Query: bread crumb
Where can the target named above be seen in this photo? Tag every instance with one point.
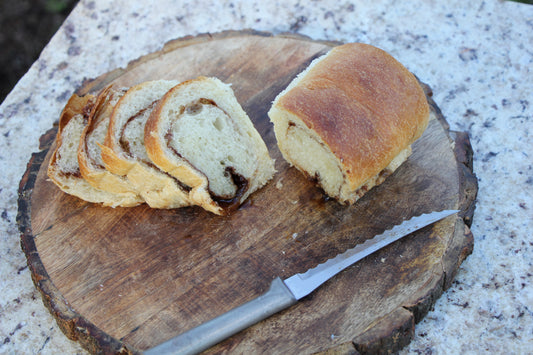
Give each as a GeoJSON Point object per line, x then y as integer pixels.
{"type": "Point", "coordinates": [279, 184]}
{"type": "Point", "coordinates": [383, 260]}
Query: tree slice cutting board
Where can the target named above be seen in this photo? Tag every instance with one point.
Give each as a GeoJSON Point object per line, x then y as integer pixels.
{"type": "Point", "coordinates": [125, 279]}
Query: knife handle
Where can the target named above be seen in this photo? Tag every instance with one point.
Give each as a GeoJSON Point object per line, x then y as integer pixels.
{"type": "Point", "coordinates": [277, 298]}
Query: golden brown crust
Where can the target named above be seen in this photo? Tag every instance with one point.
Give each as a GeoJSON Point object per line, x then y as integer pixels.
{"type": "Point", "coordinates": [365, 105]}
{"type": "Point", "coordinates": [114, 163]}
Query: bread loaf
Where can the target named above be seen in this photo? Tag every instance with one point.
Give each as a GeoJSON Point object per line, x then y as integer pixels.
{"type": "Point", "coordinates": [90, 161]}
{"type": "Point", "coordinates": [124, 153]}
{"type": "Point", "coordinates": [349, 119]}
{"type": "Point", "coordinates": [199, 134]}
{"type": "Point", "coordinates": [202, 147]}
{"type": "Point", "coordinates": [64, 169]}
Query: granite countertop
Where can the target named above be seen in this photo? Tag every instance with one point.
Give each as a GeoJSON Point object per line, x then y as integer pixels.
{"type": "Point", "coordinates": [476, 56]}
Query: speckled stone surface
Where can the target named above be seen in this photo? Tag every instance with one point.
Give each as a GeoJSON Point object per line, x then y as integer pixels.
{"type": "Point", "coordinates": [477, 56]}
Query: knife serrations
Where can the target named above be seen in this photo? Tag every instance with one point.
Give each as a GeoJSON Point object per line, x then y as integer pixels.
{"type": "Point", "coordinates": [303, 284]}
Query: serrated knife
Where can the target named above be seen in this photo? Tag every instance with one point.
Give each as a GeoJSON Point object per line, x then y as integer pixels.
{"type": "Point", "coordinates": [285, 293]}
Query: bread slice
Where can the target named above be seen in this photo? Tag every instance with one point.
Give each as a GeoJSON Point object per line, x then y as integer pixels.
{"type": "Point", "coordinates": [200, 134]}
{"type": "Point", "coordinates": [90, 161]}
{"type": "Point", "coordinates": [63, 168]}
{"type": "Point", "coordinates": [349, 119]}
{"type": "Point", "coordinates": [123, 152]}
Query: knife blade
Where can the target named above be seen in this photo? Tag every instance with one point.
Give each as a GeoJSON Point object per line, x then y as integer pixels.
{"type": "Point", "coordinates": [285, 293]}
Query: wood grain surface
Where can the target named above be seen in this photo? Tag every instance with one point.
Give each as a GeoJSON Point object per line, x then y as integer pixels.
{"type": "Point", "coordinates": [125, 279]}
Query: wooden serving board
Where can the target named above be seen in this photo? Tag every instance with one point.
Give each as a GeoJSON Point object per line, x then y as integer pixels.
{"type": "Point", "coordinates": [123, 280]}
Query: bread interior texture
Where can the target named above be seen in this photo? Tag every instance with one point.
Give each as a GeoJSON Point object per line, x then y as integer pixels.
{"type": "Point", "coordinates": [305, 147]}
{"type": "Point", "coordinates": [93, 140]}
{"type": "Point", "coordinates": [96, 137]}
{"type": "Point", "coordinates": [132, 138]}
{"type": "Point", "coordinates": [206, 136]}
{"type": "Point", "coordinates": [67, 156]}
